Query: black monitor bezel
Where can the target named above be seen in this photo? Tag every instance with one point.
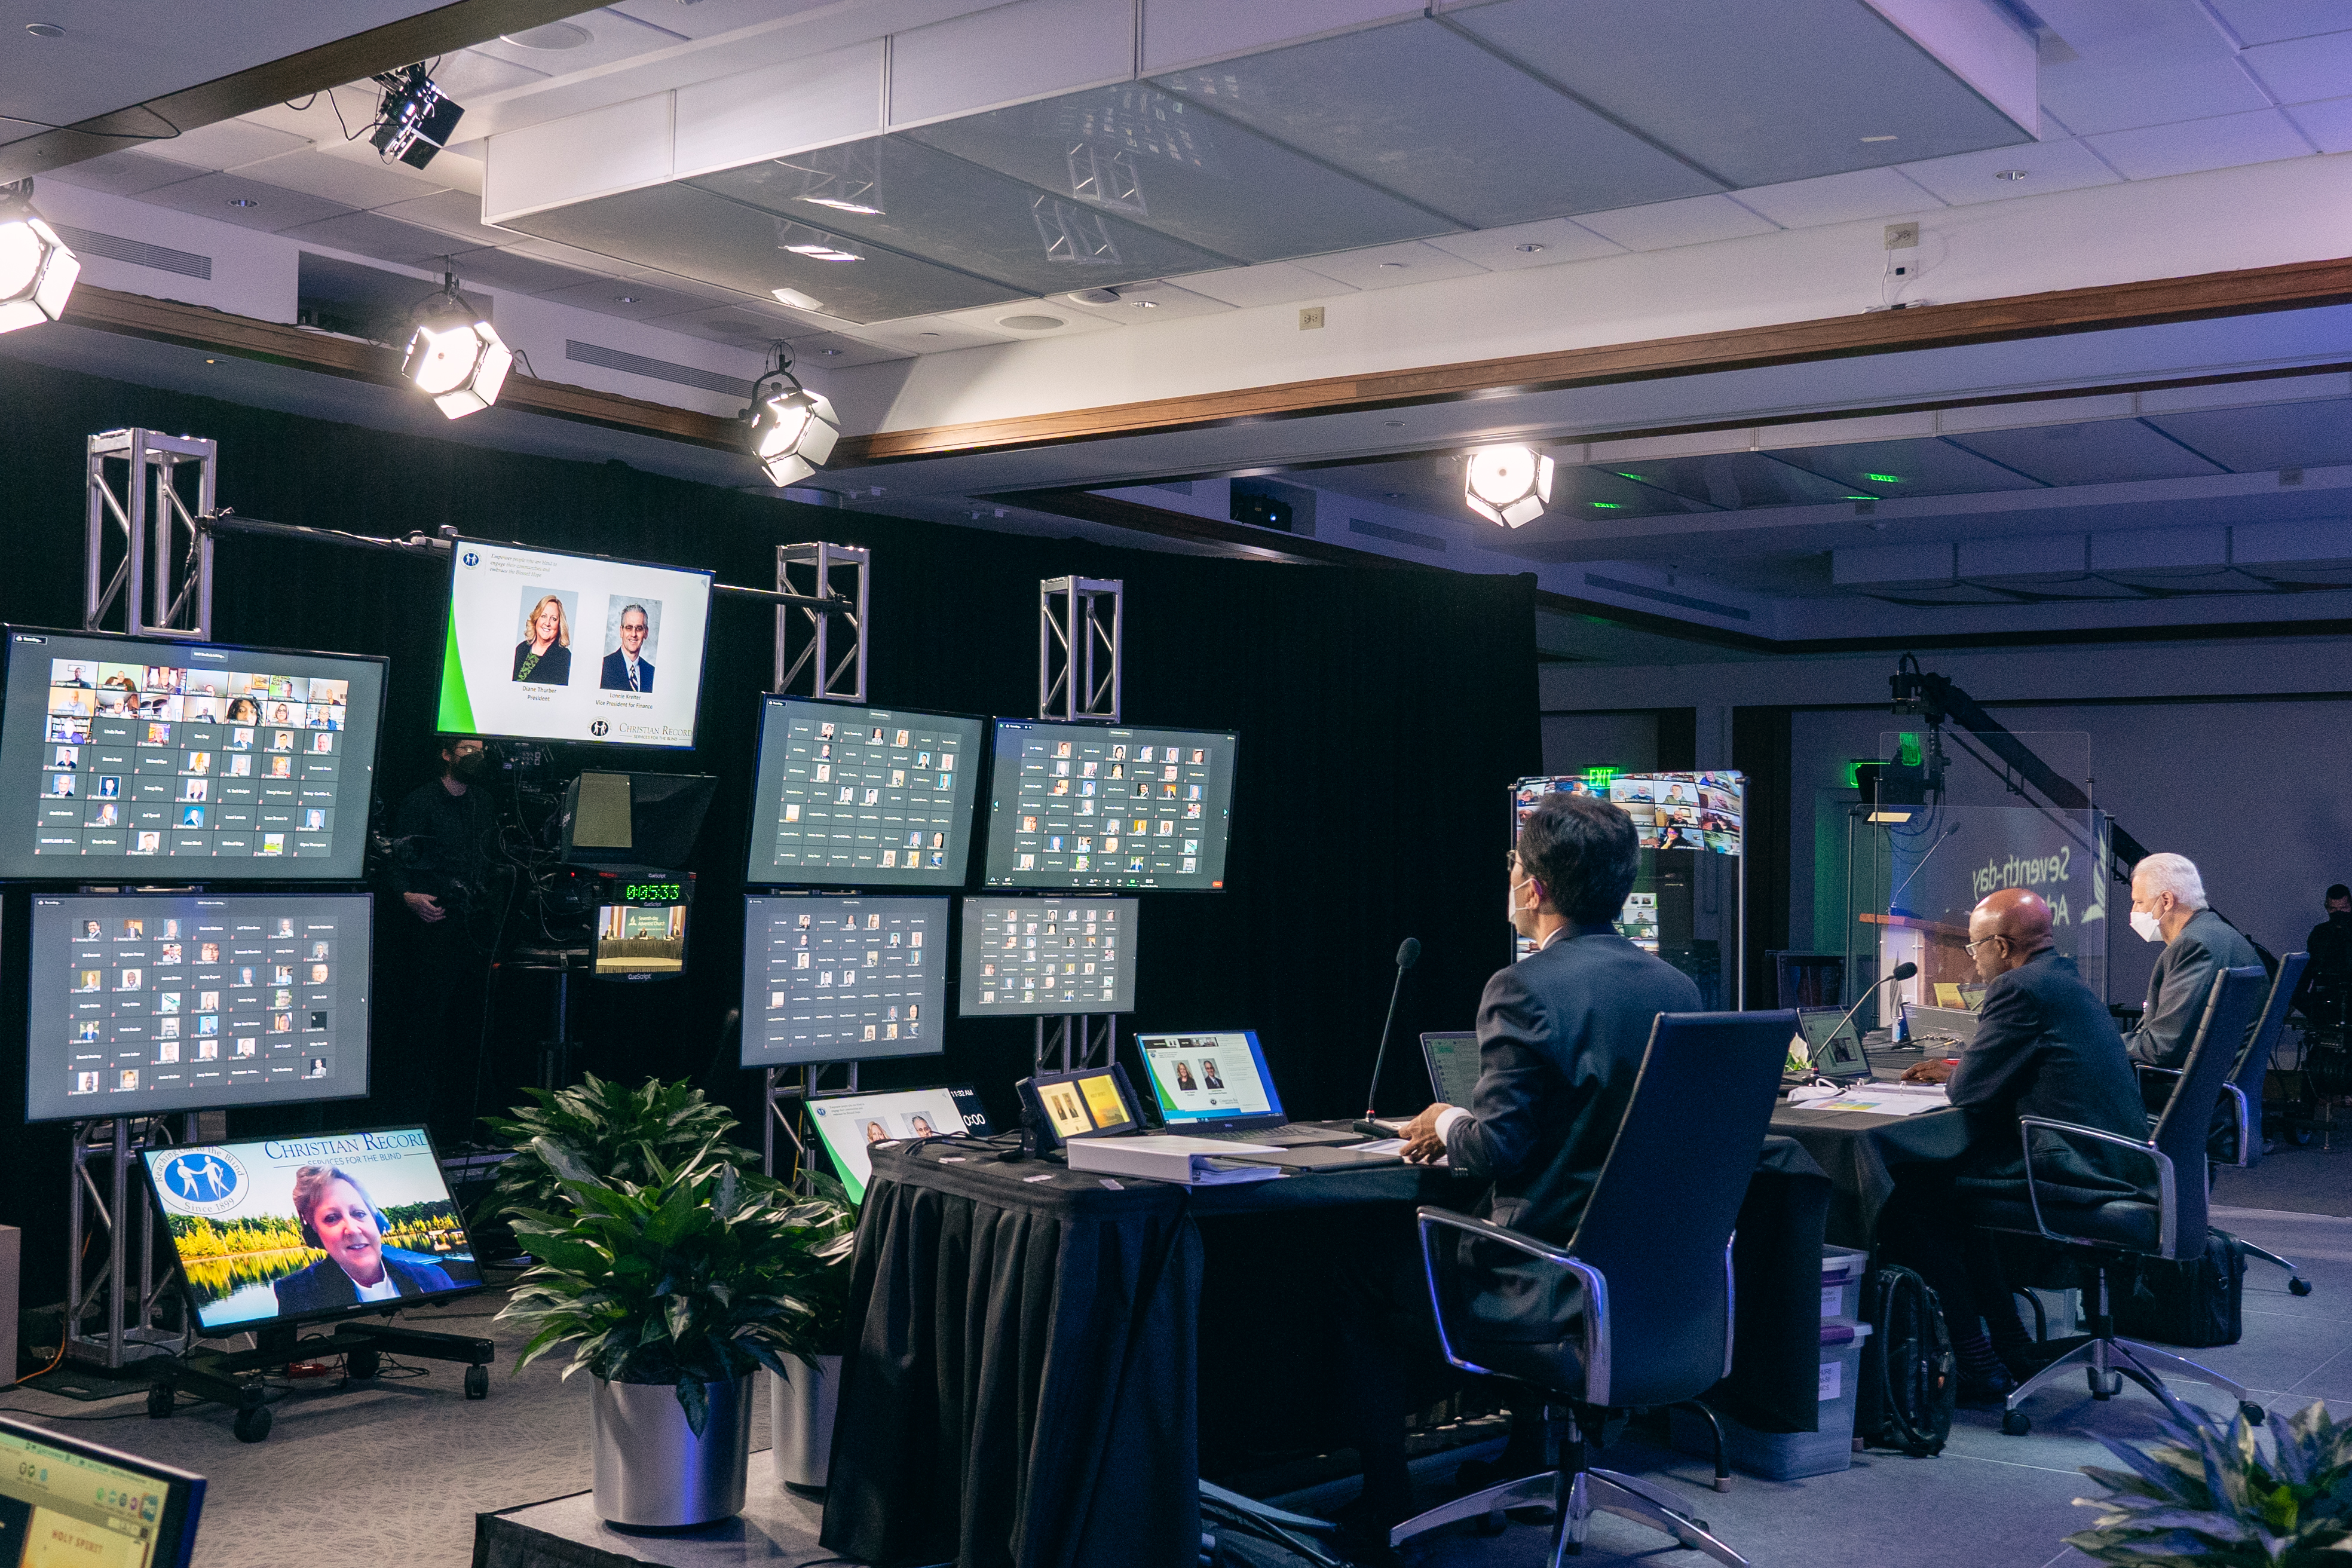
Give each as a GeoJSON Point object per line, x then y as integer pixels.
{"type": "Point", "coordinates": [1023, 895]}
{"type": "Point", "coordinates": [362, 896]}
{"type": "Point", "coordinates": [183, 1491]}
{"type": "Point", "coordinates": [335, 1315]}
{"type": "Point", "coordinates": [9, 631]}
{"type": "Point", "coordinates": [995, 755]}
{"type": "Point", "coordinates": [756, 876]}
{"type": "Point", "coordinates": [702, 667]}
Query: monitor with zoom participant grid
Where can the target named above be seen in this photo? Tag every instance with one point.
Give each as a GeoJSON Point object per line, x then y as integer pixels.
{"type": "Point", "coordinates": [1108, 807]}
{"type": "Point", "coordinates": [867, 798]}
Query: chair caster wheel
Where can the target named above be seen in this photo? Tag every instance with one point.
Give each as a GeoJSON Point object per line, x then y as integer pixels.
{"type": "Point", "coordinates": [2298, 1287]}
{"type": "Point", "coordinates": [2016, 1423]}
{"type": "Point", "coordinates": [2254, 1414]}
{"type": "Point", "coordinates": [1723, 1483]}
{"type": "Point", "coordinates": [477, 1383]}
{"type": "Point", "coordinates": [251, 1426]}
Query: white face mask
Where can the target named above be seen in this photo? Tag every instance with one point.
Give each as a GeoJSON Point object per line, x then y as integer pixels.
{"type": "Point", "coordinates": [2145, 923]}
{"type": "Point", "coordinates": [1522, 918]}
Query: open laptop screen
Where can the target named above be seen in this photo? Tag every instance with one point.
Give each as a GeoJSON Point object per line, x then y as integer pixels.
{"type": "Point", "coordinates": [1210, 1079]}
{"type": "Point", "coordinates": [1832, 1043]}
{"type": "Point", "coordinates": [1452, 1058]}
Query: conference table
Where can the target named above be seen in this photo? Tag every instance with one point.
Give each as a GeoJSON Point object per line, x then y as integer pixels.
{"type": "Point", "coordinates": [1863, 1155]}
{"type": "Point", "coordinates": [1030, 1353]}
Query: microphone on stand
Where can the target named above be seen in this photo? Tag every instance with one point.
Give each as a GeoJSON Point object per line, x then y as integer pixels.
{"type": "Point", "coordinates": [1900, 972]}
{"type": "Point", "coordinates": [1408, 954]}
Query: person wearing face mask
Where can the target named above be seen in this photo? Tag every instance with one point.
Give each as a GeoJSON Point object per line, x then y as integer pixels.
{"type": "Point", "coordinates": [438, 834]}
{"type": "Point", "coordinates": [2169, 906]}
{"type": "Point", "coordinates": [442, 834]}
{"type": "Point", "coordinates": [1561, 1036]}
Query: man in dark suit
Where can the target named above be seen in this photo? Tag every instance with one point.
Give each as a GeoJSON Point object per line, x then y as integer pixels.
{"type": "Point", "coordinates": [2169, 906]}
{"type": "Point", "coordinates": [1560, 1040]}
{"type": "Point", "coordinates": [2044, 1045]}
{"type": "Point", "coordinates": [624, 671]}
{"type": "Point", "coordinates": [2327, 983]}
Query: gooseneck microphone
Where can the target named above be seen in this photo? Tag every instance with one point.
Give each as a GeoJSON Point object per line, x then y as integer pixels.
{"type": "Point", "coordinates": [1901, 971]}
{"type": "Point", "coordinates": [1408, 954]}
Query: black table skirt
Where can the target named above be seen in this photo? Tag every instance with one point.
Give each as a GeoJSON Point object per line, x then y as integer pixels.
{"type": "Point", "coordinates": [1020, 1390]}
{"type": "Point", "coordinates": [1863, 1155]}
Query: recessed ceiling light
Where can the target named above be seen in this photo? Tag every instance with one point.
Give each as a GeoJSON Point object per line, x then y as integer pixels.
{"type": "Point", "coordinates": [1030, 324]}
{"type": "Point", "coordinates": [243, 202]}
{"type": "Point", "coordinates": [796, 300]}
{"type": "Point", "coordinates": [926, 334]}
{"type": "Point", "coordinates": [625, 299]}
{"type": "Point", "coordinates": [44, 29]}
{"type": "Point", "coordinates": [828, 353]}
{"type": "Point", "coordinates": [823, 253]}
{"type": "Point", "coordinates": [2008, 173]}
{"type": "Point", "coordinates": [1393, 495]}
{"type": "Point", "coordinates": [211, 361]}
{"type": "Point", "coordinates": [1529, 249]}
{"type": "Point", "coordinates": [554, 36]}
{"type": "Point", "coordinates": [1878, 138]}
{"type": "Point", "coordinates": [1145, 304]}
{"type": "Point", "coordinates": [1397, 266]}
{"type": "Point", "coordinates": [837, 204]}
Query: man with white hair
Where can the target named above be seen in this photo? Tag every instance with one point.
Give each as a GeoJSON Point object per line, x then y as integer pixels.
{"type": "Point", "coordinates": [2169, 906]}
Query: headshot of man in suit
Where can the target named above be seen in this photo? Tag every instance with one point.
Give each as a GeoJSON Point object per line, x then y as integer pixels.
{"type": "Point", "coordinates": [624, 671]}
{"type": "Point", "coordinates": [339, 1217]}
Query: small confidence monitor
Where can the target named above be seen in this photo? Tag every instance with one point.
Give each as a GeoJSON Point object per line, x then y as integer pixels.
{"type": "Point", "coordinates": [1075, 805]}
{"type": "Point", "coordinates": [1091, 1102]}
{"type": "Point", "coordinates": [157, 760]}
{"type": "Point", "coordinates": [847, 1124]}
{"type": "Point", "coordinates": [641, 926]}
{"type": "Point", "coordinates": [301, 1229]}
{"type": "Point", "coordinates": [842, 979]}
{"type": "Point", "coordinates": [1035, 956]}
{"type": "Point", "coordinates": [544, 646]}
{"type": "Point", "coordinates": [868, 797]}
{"type": "Point", "coordinates": [67, 1499]}
{"type": "Point", "coordinates": [149, 1004]}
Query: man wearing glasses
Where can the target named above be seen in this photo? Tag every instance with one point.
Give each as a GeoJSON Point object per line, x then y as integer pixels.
{"type": "Point", "coordinates": [2044, 1045]}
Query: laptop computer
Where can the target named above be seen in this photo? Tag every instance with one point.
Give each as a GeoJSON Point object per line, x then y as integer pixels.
{"type": "Point", "coordinates": [1452, 1058]}
{"type": "Point", "coordinates": [1833, 1044]}
{"type": "Point", "coordinates": [1214, 1084]}
{"type": "Point", "coordinates": [1943, 1025]}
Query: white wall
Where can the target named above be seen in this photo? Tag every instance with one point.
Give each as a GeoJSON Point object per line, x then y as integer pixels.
{"type": "Point", "coordinates": [1575, 741]}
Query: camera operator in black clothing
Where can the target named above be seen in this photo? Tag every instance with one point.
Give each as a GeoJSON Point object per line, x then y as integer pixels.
{"type": "Point", "coordinates": [440, 834]}
{"type": "Point", "coordinates": [2327, 983]}
{"type": "Point", "coordinates": [443, 833]}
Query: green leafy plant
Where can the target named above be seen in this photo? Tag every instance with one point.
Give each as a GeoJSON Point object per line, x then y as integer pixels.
{"type": "Point", "coordinates": [613, 1132]}
{"type": "Point", "coordinates": [2214, 1497]}
{"type": "Point", "coordinates": [695, 1276]}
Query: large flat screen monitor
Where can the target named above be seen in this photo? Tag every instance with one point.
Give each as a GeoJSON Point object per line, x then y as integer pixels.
{"type": "Point", "coordinates": [847, 1124]}
{"type": "Point", "coordinates": [831, 979]}
{"type": "Point", "coordinates": [863, 797]}
{"type": "Point", "coordinates": [145, 1003]}
{"type": "Point", "coordinates": [1076, 805]}
{"type": "Point", "coordinates": [544, 646]}
{"type": "Point", "coordinates": [1024, 957]}
{"type": "Point", "coordinates": [66, 1500]}
{"type": "Point", "coordinates": [302, 1228]}
{"type": "Point", "coordinates": [117, 753]}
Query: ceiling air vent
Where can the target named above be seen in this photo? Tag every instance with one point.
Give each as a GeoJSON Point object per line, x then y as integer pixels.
{"type": "Point", "coordinates": [137, 252]}
{"type": "Point", "coordinates": [655, 369]}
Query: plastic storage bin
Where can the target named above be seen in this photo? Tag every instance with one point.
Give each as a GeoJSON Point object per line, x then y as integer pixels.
{"type": "Point", "coordinates": [1789, 1456]}
{"type": "Point", "coordinates": [1842, 1269]}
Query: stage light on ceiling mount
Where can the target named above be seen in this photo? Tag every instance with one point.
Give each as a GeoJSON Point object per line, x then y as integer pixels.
{"type": "Point", "coordinates": [37, 270]}
{"type": "Point", "coordinates": [793, 429]}
{"type": "Point", "coordinates": [1507, 485]}
{"type": "Point", "coordinates": [454, 356]}
{"type": "Point", "coordinates": [415, 119]}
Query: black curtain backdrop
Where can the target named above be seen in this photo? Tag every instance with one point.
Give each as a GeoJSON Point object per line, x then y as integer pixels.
{"type": "Point", "coordinates": [1382, 715]}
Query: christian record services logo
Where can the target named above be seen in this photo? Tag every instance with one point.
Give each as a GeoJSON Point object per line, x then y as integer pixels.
{"type": "Point", "coordinates": [473, 558]}
{"type": "Point", "coordinates": [599, 728]}
{"type": "Point", "coordinates": [202, 1182]}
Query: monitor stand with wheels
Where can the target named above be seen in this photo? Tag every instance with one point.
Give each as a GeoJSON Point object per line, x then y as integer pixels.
{"type": "Point", "coordinates": [236, 1378]}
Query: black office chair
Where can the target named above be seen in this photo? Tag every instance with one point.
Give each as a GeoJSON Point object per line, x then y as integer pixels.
{"type": "Point", "coordinates": [2116, 1233]}
{"type": "Point", "coordinates": [2244, 1091]}
{"type": "Point", "coordinates": [1641, 1295]}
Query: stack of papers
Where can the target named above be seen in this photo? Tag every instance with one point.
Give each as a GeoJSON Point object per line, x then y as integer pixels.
{"type": "Point", "coordinates": [1886, 1099]}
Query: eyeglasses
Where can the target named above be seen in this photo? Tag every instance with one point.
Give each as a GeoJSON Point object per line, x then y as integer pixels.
{"type": "Point", "coordinates": [1970, 947]}
{"type": "Point", "coordinates": [1511, 863]}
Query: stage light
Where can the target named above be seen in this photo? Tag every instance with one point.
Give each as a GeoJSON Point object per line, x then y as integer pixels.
{"type": "Point", "coordinates": [1507, 485]}
{"type": "Point", "coordinates": [454, 356]}
{"type": "Point", "coordinates": [793, 429]}
{"type": "Point", "coordinates": [415, 119]}
{"type": "Point", "coordinates": [37, 270]}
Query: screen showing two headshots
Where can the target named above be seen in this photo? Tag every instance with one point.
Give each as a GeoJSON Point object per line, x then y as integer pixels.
{"type": "Point", "coordinates": [118, 753]}
{"type": "Point", "coordinates": [295, 1229]}
{"type": "Point", "coordinates": [144, 1005]}
{"type": "Point", "coordinates": [1037, 957]}
{"type": "Point", "coordinates": [1078, 805]}
{"type": "Point", "coordinates": [864, 796]}
{"type": "Point", "coordinates": [546, 646]}
{"type": "Point", "coordinates": [829, 979]}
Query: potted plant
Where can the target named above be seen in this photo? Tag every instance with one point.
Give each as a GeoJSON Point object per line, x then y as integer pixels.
{"type": "Point", "coordinates": [611, 1132]}
{"type": "Point", "coordinates": [671, 1292]}
{"type": "Point", "coordinates": [2213, 1498]}
{"type": "Point", "coordinates": [801, 1405]}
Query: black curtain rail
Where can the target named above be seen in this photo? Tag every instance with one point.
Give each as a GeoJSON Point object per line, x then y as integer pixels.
{"type": "Point", "coordinates": [414, 543]}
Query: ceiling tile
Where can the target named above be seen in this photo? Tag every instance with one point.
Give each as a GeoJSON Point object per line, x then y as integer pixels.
{"type": "Point", "coordinates": [1392, 266]}
{"type": "Point", "coordinates": [2049, 166]}
{"type": "Point", "coordinates": [1276, 283]}
{"type": "Point", "coordinates": [475, 74]}
{"type": "Point", "coordinates": [1147, 304]}
{"type": "Point", "coordinates": [1519, 245]}
{"type": "Point", "coordinates": [1758, 94]}
{"type": "Point", "coordinates": [123, 173]}
{"type": "Point", "coordinates": [366, 234]}
{"type": "Point", "coordinates": [351, 182]}
{"type": "Point", "coordinates": [490, 268]}
{"type": "Point", "coordinates": [1889, 468]}
{"type": "Point", "coordinates": [2112, 451]}
{"type": "Point", "coordinates": [744, 327]}
{"type": "Point", "coordinates": [1170, 165]}
{"type": "Point", "coordinates": [562, 254]}
{"type": "Point", "coordinates": [1840, 198]}
{"type": "Point", "coordinates": [1389, 105]}
{"type": "Point", "coordinates": [2226, 142]}
{"type": "Point", "coordinates": [691, 287]}
{"type": "Point", "coordinates": [2268, 21]}
{"type": "Point", "coordinates": [272, 208]}
{"type": "Point", "coordinates": [2303, 69]}
{"type": "Point", "coordinates": [2327, 123]}
{"type": "Point", "coordinates": [1730, 480]}
{"type": "Point", "coordinates": [1665, 224]}
{"type": "Point", "coordinates": [946, 210]}
{"type": "Point", "coordinates": [626, 297]}
{"type": "Point", "coordinates": [709, 19]}
{"type": "Point", "coordinates": [228, 143]}
{"type": "Point", "coordinates": [838, 350]}
{"type": "Point", "coordinates": [454, 213]}
{"type": "Point", "coordinates": [587, 42]}
{"type": "Point", "coordinates": [2260, 439]}
{"type": "Point", "coordinates": [2139, 64]}
{"type": "Point", "coordinates": [999, 319]}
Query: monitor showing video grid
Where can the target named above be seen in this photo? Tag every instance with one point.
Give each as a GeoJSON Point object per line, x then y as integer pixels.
{"type": "Point", "coordinates": [838, 979]}
{"type": "Point", "coordinates": [1025, 956]}
{"type": "Point", "coordinates": [144, 1003]}
{"type": "Point", "coordinates": [1076, 805]}
{"type": "Point", "coordinates": [123, 751]}
{"type": "Point", "coordinates": [863, 796]}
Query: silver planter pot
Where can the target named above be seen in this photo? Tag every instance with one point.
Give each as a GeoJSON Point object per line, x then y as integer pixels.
{"type": "Point", "coordinates": [799, 1418]}
{"type": "Point", "coordinates": [653, 1472]}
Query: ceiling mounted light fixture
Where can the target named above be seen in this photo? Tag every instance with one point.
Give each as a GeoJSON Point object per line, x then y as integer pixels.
{"type": "Point", "coordinates": [454, 356]}
{"type": "Point", "coordinates": [1507, 485]}
{"type": "Point", "coordinates": [793, 429]}
{"type": "Point", "coordinates": [37, 270]}
{"type": "Point", "coordinates": [415, 119]}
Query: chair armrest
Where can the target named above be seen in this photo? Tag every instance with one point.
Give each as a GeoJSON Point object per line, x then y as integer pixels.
{"type": "Point", "coordinates": [2247, 1131]}
{"type": "Point", "coordinates": [1596, 1288]}
{"type": "Point", "coordinates": [2069, 1132]}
